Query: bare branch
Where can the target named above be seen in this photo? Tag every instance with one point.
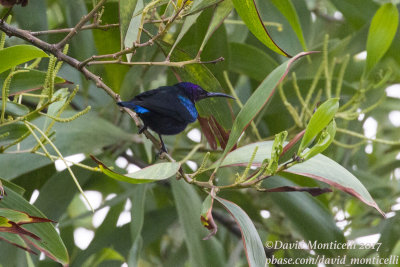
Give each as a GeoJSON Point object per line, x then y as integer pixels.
{"type": "Point", "coordinates": [179, 64]}
{"type": "Point", "coordinates": [93, 26]}
{"type": "Point", "coordinates": [80, 24]}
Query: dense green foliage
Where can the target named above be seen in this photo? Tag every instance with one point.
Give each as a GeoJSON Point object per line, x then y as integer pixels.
{"type": "Point", "coordinates": [236, 181]}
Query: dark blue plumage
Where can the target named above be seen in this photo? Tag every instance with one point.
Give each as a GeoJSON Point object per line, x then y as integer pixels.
{"type": "Point", "coordinates": [167, 110]}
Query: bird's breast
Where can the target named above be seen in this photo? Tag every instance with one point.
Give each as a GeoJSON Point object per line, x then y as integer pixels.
{"type": "Point", "coordinates": [189, 106]}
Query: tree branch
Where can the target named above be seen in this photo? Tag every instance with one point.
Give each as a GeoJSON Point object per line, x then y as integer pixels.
{"type": "Point", "coordinates": [93, 26]}
{"type": "Point", "coordinates": [179, 64]}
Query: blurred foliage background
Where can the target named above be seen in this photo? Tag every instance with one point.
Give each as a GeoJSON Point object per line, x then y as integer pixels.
{"type": "Point", "coordinates": [158, 224]}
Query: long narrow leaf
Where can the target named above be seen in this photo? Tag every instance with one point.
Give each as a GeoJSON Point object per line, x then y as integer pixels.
{"type": "Point", "coordinates": [188, 204]}
{"type": "Point", "coordinates": [18, 54]}
{"type": "Point", "coordinates": [51, 243]}
{"type": "Point", "coordinates": [287, 9]}
{"type": "Point", "coordinates": [251, 240]}
{"type": "Point", "coordinates": [381, 33]}
{"type": "Point", "coordinates": [221, 12]}
{"type": "Point", "coordinates": [149, 174]}
{"type": "Point", "coordinates": [247, 10]}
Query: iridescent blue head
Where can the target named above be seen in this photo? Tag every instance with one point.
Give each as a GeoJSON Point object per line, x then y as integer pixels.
{"type": "Point", "coordinates": [195, 93]}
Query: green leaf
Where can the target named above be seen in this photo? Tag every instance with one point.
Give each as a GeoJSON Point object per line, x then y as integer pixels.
{"type": "Point", "coordinates": [158, 4]}
{"type": "Point", "coordinates": [15, 109]}
{"type": "Point", "coordinates": [18, 54]}
{"type": "Point", "coordinates": [320, 168]}
{"type": "Point", "coordinates": [200, 5]}
{"type": "Point", "coordinates": [188, 204]}
{"type": "Point", "coordinates": [16, 188]}
{"type": "Point", "coordinates": [287, 9]}
{"type": "Point", "coordinates": [324, 140]}
{"type": "Point", "coordinates": [258, 63]}
{"type": "Point", "coordinates": [221, 12]}
{"type": "Point", "coordinates": [11, 132]}
{"type": "Point", "coordinates": [251, 240]}
{"type": "Point", "coordinates": [187, 24]}
{"type": "Point", "coordinates": [206, 206]}
{"type": "Point", "coordinates": [241, 155]}
{"type": "Point", "coordinates": [326, 170]}
{"type": "Point", "coordinates": [155, 172]}
{"type": "Point", "coordinates": [126, 11]}
{"type": "Point", "coordinates": [51, 243]}
{"type": "Point", "coordinates": [258, 100]}
{"type": "Point", "coordinates": [137, 212]}
{"type": "Point", "coordinates": [356, 12]}
{"type": "Point", "coordinates": [316, 222]}
{"type": "Point", "coordinates": [20, 217]}
{"type": "Point", "coordinates": [389, 237]}
{"type": "Point", "coordinates": [381, 33]}
{"type": "Point", "coordinates": [319, 120]}
{"type": "Point", "coordinates": [247, 10]}
{"type": "Point", "coordinates": [106, 254]}
{"type": "Point", "coordinates": [30, 81]}
{"type": "Point", "coordinates": [130, 35]}
{"type": "Point", "coordinates": [82, 135]}
{"type": "Point", "coordinates": [108, 42]}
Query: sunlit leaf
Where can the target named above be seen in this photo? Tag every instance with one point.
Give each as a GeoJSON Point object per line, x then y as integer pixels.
{"type": "Point", "coordinates": [319, 167]}
{"type": "Point", "coordinates": [29, 82]}
{"type": "Point", "coordinates": [319, 120]}
{"type": "Point", "coordinates": [325, 138]}
{"type": "Point", "coordinates": [155, 172]}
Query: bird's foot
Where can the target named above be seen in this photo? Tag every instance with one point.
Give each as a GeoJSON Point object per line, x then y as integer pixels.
{"type": "Point", "coordinates": [142, 129]}
{"type": "Point", "coordinates": [163, 149]}
{"type": "Point", "coordinates": [160, 154]}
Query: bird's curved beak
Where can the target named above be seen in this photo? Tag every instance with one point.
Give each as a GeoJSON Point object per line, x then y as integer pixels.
{"type": "Point", "coordinates": [211, 94]}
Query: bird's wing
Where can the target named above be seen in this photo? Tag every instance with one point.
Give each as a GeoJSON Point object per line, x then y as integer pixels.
{"type": "Point", "coordinates": [165, 103]}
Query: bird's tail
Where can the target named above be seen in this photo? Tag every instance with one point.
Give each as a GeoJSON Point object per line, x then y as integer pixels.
{"type": "Point", "coordinates": [126, 104]}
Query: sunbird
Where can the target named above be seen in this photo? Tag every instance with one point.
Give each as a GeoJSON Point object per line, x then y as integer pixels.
{"type": "Point", "coordinates": [167, 110]}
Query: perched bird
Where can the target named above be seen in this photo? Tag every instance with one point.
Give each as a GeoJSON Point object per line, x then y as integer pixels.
{"type": "Point", "coordinates": [167, 110]}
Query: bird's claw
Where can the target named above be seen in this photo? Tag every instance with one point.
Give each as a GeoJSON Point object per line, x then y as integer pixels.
{"type": "Point", "coordinates": [142, 129]}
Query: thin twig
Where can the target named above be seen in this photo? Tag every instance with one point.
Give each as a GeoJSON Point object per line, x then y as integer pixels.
{"type": "Point", "coordinates": [92, 26]}
{"type": "Point", "coordinates": [179, 64]}
{"type": "Point", "coordinates": [136, 45]}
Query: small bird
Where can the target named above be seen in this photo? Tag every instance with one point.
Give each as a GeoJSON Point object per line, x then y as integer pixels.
{"type": "Point", "coordinates": [167, 110]}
